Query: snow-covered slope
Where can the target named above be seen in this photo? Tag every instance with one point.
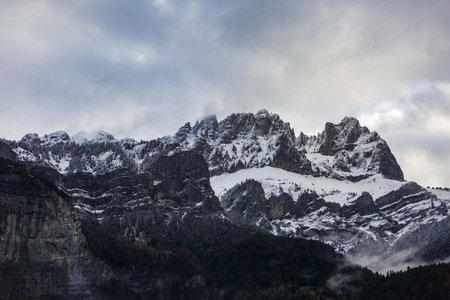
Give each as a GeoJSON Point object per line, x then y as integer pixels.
{"type": "Point", "coordinates": [276, 181]}
{"type": "Point", "coordinates": [337, 215]}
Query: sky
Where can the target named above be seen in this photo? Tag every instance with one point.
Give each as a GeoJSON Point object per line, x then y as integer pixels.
{"type": "Point", "coordinates": [144, 68]}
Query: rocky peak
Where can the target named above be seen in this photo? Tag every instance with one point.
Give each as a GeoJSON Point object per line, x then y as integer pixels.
{"type": "Point", "coordinates": [341, 136]}
{"type": "Point", "coordinates": [55, 138]}
{"type": "Point", "coordinates": [244, 140]}
{"type": "Point", "coordinates": [262, 123]}
{"type": "Point", "coordinates": [356, 152]}
{"type": "Point", "coordinates": [183, 132]}
{"type": "Point", "coordinates": [345, 150]}
{"type": "Point", "coordinates": [31, 139]}
{"type": "Point", "coordinates": [234, 126]}
{"type": "Point", "coordinates": [206, 128]}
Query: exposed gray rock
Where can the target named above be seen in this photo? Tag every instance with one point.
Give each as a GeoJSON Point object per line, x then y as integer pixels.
{"type": "Point", "coordinates": [363, 205]}
{"type": "Point", "coordinates": [342, 136]}
{"type": "Point", "coordinates": [31, 139]}
{"type": "Point", "coordinates": [182, 177]}
{"type": "Point", "coordinates": [411, 188]}
{"type": "Point", "coordinates": [309, 202]}
{"type": "Point", "coordinates": [352, 149]}
{"type": "Point", "coordinates": [43, 249]}
{"type": "Point", "coordinates": [7, 153]}
{"type": "Point", "coordinates": [281, 205]}
{"type": "Point", "coordinates": [247, 204]}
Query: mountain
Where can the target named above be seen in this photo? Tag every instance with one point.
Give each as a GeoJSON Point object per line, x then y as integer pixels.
{"type": "Point", "coordinates": [356, 152]}
{"type": "Point", "coordinates": [163, 214]}
{"type": "Point", "coordinates": [151, 235]}
{"type": "Point", "coordinates": [93, 137]}
{"type": "Point", "coordinates": [243, 141]}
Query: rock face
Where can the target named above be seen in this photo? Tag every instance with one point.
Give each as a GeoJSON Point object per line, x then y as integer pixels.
{"type": "Point", "coordinates": [281, 205]}
{"type": "Point", "coordinates": [31, 139]}
{"type": "Point", "coordinates": [57, 137]}
{"type": "Point", "coordinates": [411, 188]}
{"type": "Point", "coordinates": [182, 177]}
{"type": "Point", "coordinates": [246, 204]}
{"type": "Point", "coordinates": [92, 237]}
{"type": "Point", "coordinates": [43, 251]}
{"type": "Point", "coordinates": [348, 150]}
{"type": "Point", "coordinates": [7, 153]}
{"type": "Point", "coordinates": [363, 206]}
{"type": "Point", "coordinates": [244, 141]}
{"type": "Point", "coordinates": [342, 136]}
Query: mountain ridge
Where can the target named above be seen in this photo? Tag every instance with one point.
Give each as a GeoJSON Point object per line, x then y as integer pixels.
{"type": "Point", "coordinates": [342, 187]}
{"type": "Point", "coordinates": [246, 140]}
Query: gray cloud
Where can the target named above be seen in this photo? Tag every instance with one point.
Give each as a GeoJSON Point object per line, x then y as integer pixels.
{"type": "Point", "coordinates": [144, 69]}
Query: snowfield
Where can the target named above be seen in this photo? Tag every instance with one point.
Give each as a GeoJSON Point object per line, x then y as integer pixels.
{"type": "Point", "coordinates": [275, 181]}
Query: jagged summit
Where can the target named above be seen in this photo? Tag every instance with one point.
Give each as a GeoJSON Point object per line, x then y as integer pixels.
{"type": "Point", "coordinates": [47, 140]}
{"type": "Point", "coordinates": [244, 140]}
{"type": "Point", "coordinates": [55, 137]}
{"type": "Point", "coordinates": [232, 127]}
{"type": "Point", "coordinates": [349, 150]}
{"type": "Point", "coordinates": [345, 150]}
{"type": "Point", "coordinates": [342, 136]}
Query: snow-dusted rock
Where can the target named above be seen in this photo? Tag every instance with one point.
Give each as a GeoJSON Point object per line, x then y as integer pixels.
{"type": "Point", "coordinates": [342, 186]}
{"type": "Point", "coordinates": [243, 141]}
{"type": "Point", "coordinates": [55, 138]}
{"type": "Point", "coordinates": [93, 137]}
{"type": "Point", "coordinates": [349, 150]}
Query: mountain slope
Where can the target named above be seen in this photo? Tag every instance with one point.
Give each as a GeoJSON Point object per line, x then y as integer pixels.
{"type": "Point", "coordinates": [354, 217]}
{"type": "Point", "coordinates": [342, 186]}
{"type": "Point", "coordinates": [43, 250]}
{"type": "Point", "coordinates": [158, 235]}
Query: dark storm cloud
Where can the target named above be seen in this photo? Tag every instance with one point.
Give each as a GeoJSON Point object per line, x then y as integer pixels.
{"type": "Point", "coordinates": [143, 69]}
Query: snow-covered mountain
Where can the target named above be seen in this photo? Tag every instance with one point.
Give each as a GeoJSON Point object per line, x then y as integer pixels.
{"type": "Point", "coordinates": [342, 186]}
{"type": "Point", "coordinates": [93, 137]}
{"type": "Point", "coordinates": [243, 141]}
{"type": "Point", "coordinates": [349, 151]}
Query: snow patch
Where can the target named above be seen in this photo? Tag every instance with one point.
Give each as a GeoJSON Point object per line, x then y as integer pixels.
{"type": "Point", "coordinates": [275, 181]}
{"type": "Point", "coordinates": [84, 137]}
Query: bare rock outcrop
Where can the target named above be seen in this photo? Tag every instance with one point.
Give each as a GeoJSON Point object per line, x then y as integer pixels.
{"type": "Point", "coordinates": [43, 249]}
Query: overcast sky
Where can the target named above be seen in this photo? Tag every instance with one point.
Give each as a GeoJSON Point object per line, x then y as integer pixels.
{"type": "Point", "coordinates": [142, 69]}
